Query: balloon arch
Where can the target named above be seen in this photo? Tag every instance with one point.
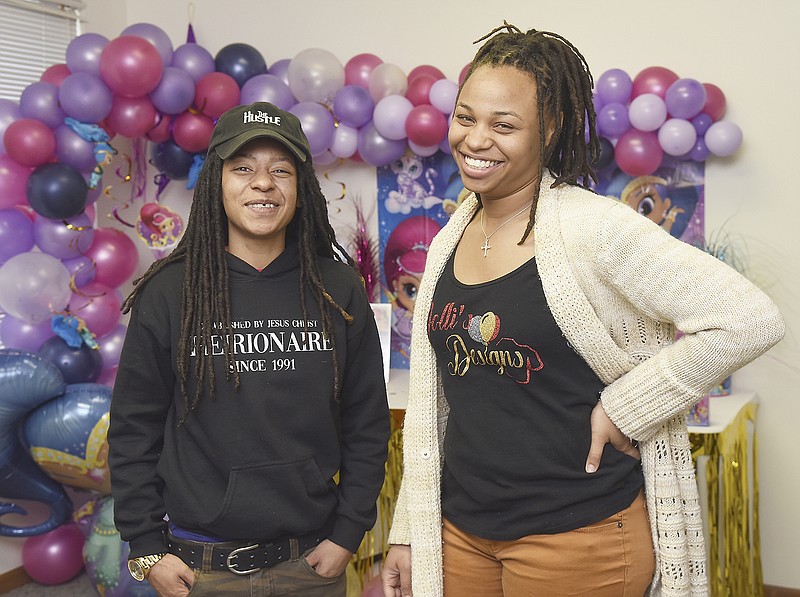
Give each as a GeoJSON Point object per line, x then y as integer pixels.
{"type": "Point", "coordinates": [59, 272]}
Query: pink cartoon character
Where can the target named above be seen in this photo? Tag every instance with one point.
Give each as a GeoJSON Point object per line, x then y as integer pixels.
{"type": "Point", "coordinates": [158, 226]}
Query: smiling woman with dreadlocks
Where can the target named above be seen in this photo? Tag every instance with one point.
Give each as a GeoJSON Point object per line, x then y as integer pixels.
{"type": "Point", "coordinates": [545, 445]}
{"type": "Point", "coordinates": [250, 377]}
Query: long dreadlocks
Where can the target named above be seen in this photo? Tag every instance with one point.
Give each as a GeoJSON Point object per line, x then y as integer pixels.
{"type": "Point", "coordinates": [205, 302]}
{"type": "Point", "coordinates": [563, 95]}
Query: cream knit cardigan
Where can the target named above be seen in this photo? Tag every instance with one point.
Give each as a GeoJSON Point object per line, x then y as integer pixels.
{"type": "Point", "coordinates": [618, 286]}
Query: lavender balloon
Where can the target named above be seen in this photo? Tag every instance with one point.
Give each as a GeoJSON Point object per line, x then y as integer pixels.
{"type": "Point", "coordinates": [685, 98]}
{"type": "Point", "coordinates": [28, 337]}
{"type": "Point", "coordinates": [376, 149]}
{"type": "Point", "coordinates": [353, 105]}
{"type": "Point", "coordinates": [175, 92]}
{"type": "Point", "coordinates": [83, 53]}
{"type": "Point", "coordinates": [613, 120]}
{"type": "Point", "coordinates": [81, 270]}
{"type": "Point", "coordinates": [723, 138]}
{"type": "Point", "coordinates": [280, 69]}
{"type": "Point", "coordinates": [156, 36]}
{"type": "Point", "coordinates": [443, 95]}
{"type": "Point", "coordinates": [614, 86]}
{"type": "Point", "coordinates": [647, 112]}
{"type": "Point", "coordinates": [677, 136]}
{"type": "Point", "coordinates": [267, 88]}
{"type": "Point", "coordinates": [40, 101]}
{"type": "Point", "coordinates": [317, 123]}
{"type": "Point", "coordinates": [64, 239]}
{"type": "Point", "coordinates": [85, 97]}
{"type": "Point", "coordinates": [33, 286]}
{"type": "Point", "coordinates": [16, 234]}
{"type": "Point", "coordinates": [390, 116]}
{"type": "Point", "coordinates": [194, 59]}
{"type": "Point", "coordinates": [73, 150]}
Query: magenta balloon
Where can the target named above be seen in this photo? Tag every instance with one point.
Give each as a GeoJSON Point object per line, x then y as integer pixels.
{"type": "Point", "coordinates": [55, 74]}
{"type": "Point", "coordinates": [98, 306]}
{"type": "Point", "coordinates": [614, 86]}
{"type": "Point", "coordinates": [9, 112]}
{"type": "Point", "coordinates": [194, 59]}
{"type": "Point", "coordinates": [345, 141]}
{"type": "Point", "coordinates": [19, 334]}
{"type": "Point", "coordinates": [115, 256]}
{"type": "Point", "coordinates": [353, 105]}
{"type": "Point", "coordinates": [280, 68]}
{"type": "Point", "coordinates": [81, 270]}
{"type": "Point", "coordinates": [131, 66]}
{"type": "Point", "coordinates": [73, 150]}
{"type": "Point", "coordinates": [267, 88]}
{"type": "Point", "coordinates": [376, 149]}
{"type": "Point", "coordinates": [419, 89]}
{"type": "Point", "coordinates": [83, 53]}
{"type": "Point", "coordinates": [107, 378]}
{"type": "Point", "coordinates": [677, 136]}
{"type": "Point", "coordinates": [723, 138]}
{"type": "Point", "coordinates": [389, 117]}
{"type": "Point", "coordinates": [613, 120]}
{"type": "Point", "coordinates": [654, 79]}
{"type": "Point", "coordinates": [132, 117]}
{"type": "Point", "coordinates": [54, 557]}
{"type": "Point", "coordinates": [317, 123]}
{"type": "Point", "coordinates": [685, 98]}
{"type": "Point", "coordinates": [16, 234]}
{"type": "Point", "coordinates": [647, 112]}
{"type": "Point", "coordinates": [426, 126]}
{"type": "Point", "coordinates": [156, 36]}
{"type": "Point", "coordinates": [85, 97]}
{"type": "Point", "coordinates": [162, 130]}
{"type": "Point", "coordinates": [64, 239]}
{"type": "Point", "coordinates": [40, 101]}
{"type": "Point", "coordinates": [192, 131]}
{"type": "Point", "coordinates": [715, 105]}
{"type": "Point", "coordinates": [638, 153]}
{"type": "Point", "coordinates": [216, 93]}
{"type": "Point", "coordinates": [13, 182]}
{"type": "Point", "coordinates": [425, 70]}
{"type": "Point", "coordinates": [174, 93]}
{"type": "Point", "coordinates": [358, 69]}
{"type": "Point", "coordinates": [111, 345]}
{"type": "Point", "coordinates": [443, 95]}
{"type": "Point", "coordinates": [29, 142]}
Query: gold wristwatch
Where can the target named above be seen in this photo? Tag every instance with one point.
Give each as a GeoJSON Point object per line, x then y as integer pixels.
{"type": "Point", "coordinates": [140, 567]}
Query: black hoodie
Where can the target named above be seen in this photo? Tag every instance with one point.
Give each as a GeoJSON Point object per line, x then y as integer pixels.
{"type": "Point", "coordinates": [257, 463]}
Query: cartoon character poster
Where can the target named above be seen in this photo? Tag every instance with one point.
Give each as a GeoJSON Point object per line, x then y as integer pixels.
{"type": "Point", "coordinates": [415, 199]}
{"type": "Point", "coordinates": [672, 196]}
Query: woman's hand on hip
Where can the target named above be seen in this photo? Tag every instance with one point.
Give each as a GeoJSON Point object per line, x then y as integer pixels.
{"type": "Point", "coordinates": [605, 432]}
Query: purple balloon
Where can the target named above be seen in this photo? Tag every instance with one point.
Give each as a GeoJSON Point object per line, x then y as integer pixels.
{"type": "Point", "coordinates": [614, 86]}
{"type": "Point", "coordinates": [175, 92]}
{"type": "Point", "coordinates": [83, 53]}
{"type": "Point", "coordinates": [267, 88]}
{"type": "Point", "coordinates": [376, 149]}
{"type": "Point", "coordinates": [613, 120]}
{"type": "Point", "coordinates": [73, 150]}
{"type": "Point", "coordinates": [9, 112]}
{"type": "Point", "coordinates": [22, 335]}
{"type": "Point", "coordinates": [194, 59]}
{"type": "Point", "coordinates": [85, 97]}
{"type": "Point", "coordinates": [281, 69]}
{"type": "Point", "coordinates": [40, 101]}
{"type": "Point", "coordinates": [353, 105]}
{"type": "Point", "coordinates": [64, 239]}
{"type": "Point", "coordinates": [701, 122]}
{"type": "Point", "coordinates": [81, 270]}
{"type": "Point", "coordinates": [317, 123]}
{"type": "Point", "coordinates": [685, 98]}
{"type": "Point", "coordinates": [699, 152]}
{"type": "Point", "coordinates": [16, 234]}
{"type": "Point", "coordinates": [156, 36]}
{"type": "Point", "coordinates": [389, 117]}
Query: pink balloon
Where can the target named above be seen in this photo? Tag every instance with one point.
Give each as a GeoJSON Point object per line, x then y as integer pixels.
{"type": "Point", "coordinates": [425, 70]}
{"type": "Point", "coordinates": [30, 142]}
{"type": "Point", "coordinates": [192, 131]}
{"type": "Point", "coordinates": [13, 181]}
{"type": "Point", "coordinates": [419, 89]}
{"type": "Point", "coordinates": [162, 129]}
{"type": "Point", "coordinates": [654, 79]}
{"type": "Point", "coordinates": [55, 74]}
{"type": "Point", "coordinates": [132, 117]}
{"type": "Point", "coordinates": [426, 126]}
{"type": "Point", "coordinates": [115, 256]}
{"type": "Point", "coordinates": [216, 93]}
{"type": "Point", "coordinates": [98, 306]}
{"type": "Point", "coordinates": [54, 557]}
{"type": "Point", "coordinates": [131, 66]}
{"type": "Point", "coordinates": [358, 69]}
{"type": "Point", "coordinates": [638, 153]}
{"type": "Point", "coordinates": [463, 74]}
{"type": "Point", "coordinates": [715, 105]}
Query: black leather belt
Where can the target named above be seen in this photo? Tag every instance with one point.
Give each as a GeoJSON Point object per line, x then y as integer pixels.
{"type": "Point", "coordinates": [239, 558]}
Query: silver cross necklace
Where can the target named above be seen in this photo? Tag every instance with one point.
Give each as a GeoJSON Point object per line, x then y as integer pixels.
{"type": "Point", "coordinates": [486, 246]}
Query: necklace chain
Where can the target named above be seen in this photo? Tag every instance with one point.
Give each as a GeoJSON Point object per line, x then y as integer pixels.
{"type": "Point", "coordinates": [486, 246]}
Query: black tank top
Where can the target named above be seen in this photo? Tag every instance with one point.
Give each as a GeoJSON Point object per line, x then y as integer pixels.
{"type": "Point", "coordinates": [520, 398]}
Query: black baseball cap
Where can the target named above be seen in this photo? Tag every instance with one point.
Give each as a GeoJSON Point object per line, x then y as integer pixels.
{"type": "Point", "coordinates": [241, 124]}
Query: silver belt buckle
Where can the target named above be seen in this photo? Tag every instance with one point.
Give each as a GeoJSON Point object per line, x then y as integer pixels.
{"type": "Point", "coordinates": [232, 565]}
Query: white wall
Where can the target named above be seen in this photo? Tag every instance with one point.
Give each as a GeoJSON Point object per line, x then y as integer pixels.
{"type": "Point", "coordinates": [748, 51]}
